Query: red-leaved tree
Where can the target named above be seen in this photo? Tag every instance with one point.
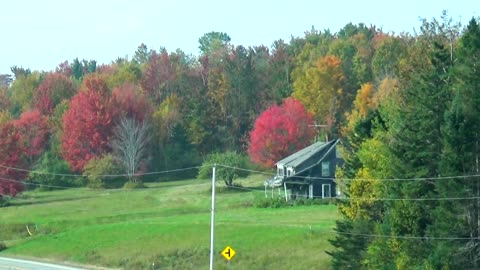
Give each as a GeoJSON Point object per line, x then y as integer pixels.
{"type": "Point", "coordinates": [87, 124]}
{"type": "Point", "coordinates": [93, 113]}
{"type": "Point", "coordinates": [10, 157]}
{"type": "Point", "coordinates": [158, 76]}
{"type": "Point", "coordinates": [33, 130]}
{"type": "Point", "coordinates": [128, 101]}
{"type": "Point", "coordinates": [53, 89]}
{"type": "Point", "coordinates": [21, 141]}
{"type": "Point", "coordinates": [280, 131]}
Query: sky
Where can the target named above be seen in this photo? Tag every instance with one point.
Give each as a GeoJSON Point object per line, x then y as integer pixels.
{"type": "Point", "coordinates": [41, 34]}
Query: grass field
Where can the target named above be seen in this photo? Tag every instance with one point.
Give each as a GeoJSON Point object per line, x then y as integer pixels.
{"type": "Point", "coordinates": [167, 224]}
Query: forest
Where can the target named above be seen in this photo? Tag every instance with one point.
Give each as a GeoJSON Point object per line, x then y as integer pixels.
{"type": "Point", "coordinates": [406, 107]}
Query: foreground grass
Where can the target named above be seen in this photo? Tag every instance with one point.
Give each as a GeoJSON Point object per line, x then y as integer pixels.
{"type": "Point", "coordinates": [167, 224]}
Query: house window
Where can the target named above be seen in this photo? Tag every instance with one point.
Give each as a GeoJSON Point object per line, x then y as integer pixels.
{"type": "Point", "coordinates": [289, 172]}
{"type": "Point", "coordinates": [280, 171]}
{"type": "Point", "coordinates": [326, 168]}
{"type": "Point", "coordinates": [326, 191]}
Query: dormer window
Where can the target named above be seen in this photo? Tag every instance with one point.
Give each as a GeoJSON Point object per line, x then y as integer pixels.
{"type": "Point", "coordinates": [326, 168]}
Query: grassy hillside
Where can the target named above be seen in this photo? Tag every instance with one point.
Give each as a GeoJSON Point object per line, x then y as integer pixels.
{"type": "Point", "coordinates": [167, 224]}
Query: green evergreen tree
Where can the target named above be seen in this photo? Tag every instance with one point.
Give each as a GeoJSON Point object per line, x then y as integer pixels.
{"type": "Point", "coordinates": [461, 156]}
{"type": "Point", "coordinates": [416, 141]}
{"type": "Point", "coordinates": [417, 144]}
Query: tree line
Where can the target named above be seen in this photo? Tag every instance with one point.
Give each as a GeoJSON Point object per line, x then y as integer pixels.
{"type": "Point", "coordinates": [405, 106]}
{"type": "Point", "coordinates": [411, 150]}
{"type": "Point", "coordinates": [190, 106]}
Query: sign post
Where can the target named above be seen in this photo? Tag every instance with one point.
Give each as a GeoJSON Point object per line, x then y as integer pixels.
{"type": "Point", "coordinates": [228, 254]}
{"type": "Point", "coordinates": [212, 221]}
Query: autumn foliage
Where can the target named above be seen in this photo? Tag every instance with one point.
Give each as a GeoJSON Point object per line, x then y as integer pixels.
{"type": "Point", "coordinates": [280, 131]}
{"type": "Point", "coordinates": [34, 131]}
{"type": "Point", "coordinates": [129, 102]}
{"type": "Point", "coordinates": [87, 124]}
{"type": "Point", "coordinates": [93, 113]}
{"type": "Point", "coordinates": [23, 140]}
{"type": "Point", "coordinates": [10, 156]}
{"type": "Point", "coordinates": [158, 76]}
{"type": "Point", "coordinates": [53, 89]}
{"type": "Point", "coordinates": [320, 88]}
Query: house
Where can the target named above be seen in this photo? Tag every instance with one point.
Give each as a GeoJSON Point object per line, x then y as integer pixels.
{"type": "Point", "coordinates": [308, 173]}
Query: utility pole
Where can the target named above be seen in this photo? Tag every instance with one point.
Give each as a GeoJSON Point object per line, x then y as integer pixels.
{"type": "Point", "coordinates": [318, 132]}
{"type": "Point", "coordinates": [475, 259]}
{"type": "Point", "coordinates": [212, 221]}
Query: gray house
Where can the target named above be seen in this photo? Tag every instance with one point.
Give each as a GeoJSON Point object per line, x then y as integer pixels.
{"type": "Point", "coordinates": [308, 173]}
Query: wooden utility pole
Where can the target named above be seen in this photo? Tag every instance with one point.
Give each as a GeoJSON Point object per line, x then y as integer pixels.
{"type": "Point", "coordinates": [318, 126]}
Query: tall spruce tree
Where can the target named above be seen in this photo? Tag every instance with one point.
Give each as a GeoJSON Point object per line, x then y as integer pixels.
{"type": "Point", "coordinates": [415, 141]}
{"type": "Point", "coordinates": [461, 156]}
{"type": "Point", "coordinates": [350, 246]}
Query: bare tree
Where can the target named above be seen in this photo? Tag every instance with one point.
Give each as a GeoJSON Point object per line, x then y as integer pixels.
{"type": "Point", "coordinates": [129, 144]}
{"type": "Point", "coordinates": [5, 80]}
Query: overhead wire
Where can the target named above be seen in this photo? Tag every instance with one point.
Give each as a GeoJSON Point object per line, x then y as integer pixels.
{"type": "Point", "coordinates": [5, 195]}
{"type": "Point", "coordinates": [241, 169]}
{"type": "Point", "coordinates": [371, 199]}
{"type": "Point", "coordinates": [361, 179]}
{"type": "Point", "coordinates": [78, 175]}
{"type": "Point", "coordinates": [257, 190]}
{"type": "Point", "coordinates": [234, 187]}
{"type": "Point", "coordinates": [33, 184]}
{"type": "Point", "coordinates": [405, 236]}
{"type": "Point", "coordinates": [334, 231]}
{"type": "Point", "coordinates": [99, 175]}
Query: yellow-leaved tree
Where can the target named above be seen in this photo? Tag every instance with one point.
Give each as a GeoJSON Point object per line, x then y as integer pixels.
{"type": "Point", "coordinates": [319, 88]}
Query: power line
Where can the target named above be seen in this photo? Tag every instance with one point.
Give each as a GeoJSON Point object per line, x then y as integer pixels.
{"type": "Point", "coordinates": [103, 190]}
{"type": "Point", "coordinates": [406, 236]}
{"type": "Point", "coordinates": [246, 170]}
{"type": "Point", "coordinates": [371, 199]}
{"type": "Point", "coordinates": [241, 169]}
{"type": "Point", "coordinates": [100, 175]}
{"type": "Point", "coordinates": [238, 168]}
{"type": "Point", "coordinates": [333, 231]}
{"type": "Point", "coordinates": [5, 195]}
{"type": "Point", "coordinates": [329, 230]}
{"type": "Point", "coordinates": [360, 179]}
{"type": "Point", "coordinates": [33, 184]}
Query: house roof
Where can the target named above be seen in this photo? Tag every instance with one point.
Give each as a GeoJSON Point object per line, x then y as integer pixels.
{"type": "Point", "coordinates": [299, 157]}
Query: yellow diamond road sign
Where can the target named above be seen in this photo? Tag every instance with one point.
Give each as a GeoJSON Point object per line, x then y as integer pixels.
{"type": "Point", "coordinates": [228, 253]}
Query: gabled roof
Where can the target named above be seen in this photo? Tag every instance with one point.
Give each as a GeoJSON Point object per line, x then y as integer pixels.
{"type": "Point", "coordinates": [301, 156]}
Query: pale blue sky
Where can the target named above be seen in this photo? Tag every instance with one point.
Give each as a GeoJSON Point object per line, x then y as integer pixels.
{"type": "Point", "coordinates": [41, 34]}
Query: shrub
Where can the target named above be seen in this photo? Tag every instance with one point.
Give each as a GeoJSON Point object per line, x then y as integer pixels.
{"type": "Point", "coordinates": [3, 202]}
{"type": "Point", "coordinates": [133, 185]}
{"type": "Point", "coordinates": [316, 201]}
{"type": "Point", "coordinates": [106, 165]}
{"type": "Point", "coordinates": [2, 246]}
{"type": "Point", "coordinates": [228, 175]}
{"type": "Point", "coordinates": [277, 202]}
{"type": "Point", "coordinates": [234, 188]}
{"type": "Point", "coordinates": [50, 162]}
{"type": "Point", "coordinates": [299, 201]}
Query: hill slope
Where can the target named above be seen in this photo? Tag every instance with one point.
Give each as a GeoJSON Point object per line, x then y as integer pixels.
{"type": "Point", "coordinates": [167, 224]}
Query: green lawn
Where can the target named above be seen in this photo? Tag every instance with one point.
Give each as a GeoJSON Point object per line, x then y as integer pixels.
{"type": "Point", "coordinates": [167, 224]}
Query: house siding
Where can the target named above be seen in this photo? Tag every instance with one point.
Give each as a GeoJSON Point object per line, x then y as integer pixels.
{"type": "Point", "coordinates": [314, 174]}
